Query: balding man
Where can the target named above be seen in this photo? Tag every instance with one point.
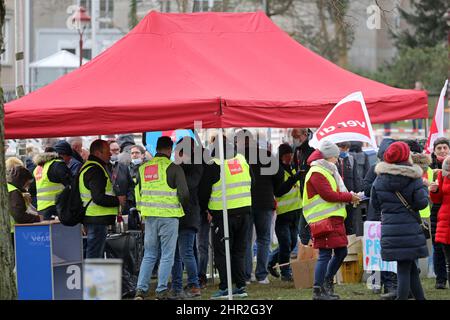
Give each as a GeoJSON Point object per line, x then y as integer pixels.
{"type": "Point", "coordinates": [77, 147]}
{"type": "Point", "coordinates": [97, 194]}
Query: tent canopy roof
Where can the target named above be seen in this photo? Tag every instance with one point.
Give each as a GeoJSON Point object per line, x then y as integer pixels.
{"type": "Point", "coordinates": [62, 59]}
{"type": "Point", "coordinates": [224, 69]}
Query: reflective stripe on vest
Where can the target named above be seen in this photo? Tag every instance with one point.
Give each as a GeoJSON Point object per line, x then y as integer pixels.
{"type": "Point", "coordinates": [426, 213]}
{"type": "Point", "coordinates": [292, 200]}
{"type": "Point", "coordinates": [46, 190]}
{"type": "Point", "coordinates": [95, 210]}
{"type": "Point", "coordinates": [12, 222]}
{"type": "Point", "coordinates": [316, 208]}
{"type": "Point", "coordinates": [155, 197]}
{"type": "Point", "coordinates": [237, 183]}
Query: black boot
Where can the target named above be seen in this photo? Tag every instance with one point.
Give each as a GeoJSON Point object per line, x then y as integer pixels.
{"type": "Point", "coordinates": [329, 288]}
{"type": "Point", "coordinates": [320, 294]}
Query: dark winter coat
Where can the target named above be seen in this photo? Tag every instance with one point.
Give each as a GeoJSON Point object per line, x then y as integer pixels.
{"type": "Point", "coordinates": [263, 185]}
{"type": "Point", "coordinates": [17, 204]}
{"type": "Point", "coordinates": [58, 172]}
{"type": "Point", "coordinates": [191, 218]}
{"type": "Point", "coordinates": [372, 214]}
{"type": "Point", "coordinates": [402, 237]}
{"type": "Point", "coordinates": [300, 160]}
{"type": "Point", "coordinates": [347, 168]}
{"type": "Point", "coordinates": [94, 179]}
{"type": "Point", "coordinates": [362, 166]}
{"type": "Point", "coordinates": [442, 196]}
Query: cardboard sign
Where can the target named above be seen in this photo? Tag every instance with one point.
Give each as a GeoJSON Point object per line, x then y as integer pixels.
{"type": "Point", "coordinates": [348, 121]}
{"type": "Point", "coordinates": [372, 249]}
{"type": "Point", "coordinates": [38, 175]}
{"type": "Point", "coordinates": [235, 167]}
{"type": "Point", "coordinates": [151, 173]}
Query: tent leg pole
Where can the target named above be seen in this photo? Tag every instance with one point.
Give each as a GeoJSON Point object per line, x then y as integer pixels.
{"type": "Point", "coordinates": [225, 214]}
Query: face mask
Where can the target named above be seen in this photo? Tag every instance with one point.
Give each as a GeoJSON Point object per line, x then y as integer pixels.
{"type": "Point", "coordinates": [136, 161]}
{"type": "Point", "coordinates": [297, 142]}
{"type": "Point", "coordinates": [114, 159]}
{"type": "Point", "coordinates": [343, 154]}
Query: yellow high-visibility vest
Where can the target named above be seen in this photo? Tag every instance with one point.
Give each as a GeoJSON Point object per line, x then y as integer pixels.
{"type": "Point", "coordinates": [93, 209]}
{"type": "Point", "coordinates": [237, 183]}
{"type": "Point", "coordinates": [154, 197]}
{"type": "Point", "coordinates": [292, 200]}
{"type": "Point", "coordinates": [316, 208]}
{"type": "Point", "coordinates": [426, 213]}
{"type": "Point", "coordinates": [46, 190]}
{"type": "Point", "coordinates": [11, 188]}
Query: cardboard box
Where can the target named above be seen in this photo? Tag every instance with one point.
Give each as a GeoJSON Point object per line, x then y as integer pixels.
{"type": "Point", "coordinates": [303, 273]}
{"type": "Point", "coordinates": [354, 245]}
{"type": "Point", "coordinates": [303, 267]}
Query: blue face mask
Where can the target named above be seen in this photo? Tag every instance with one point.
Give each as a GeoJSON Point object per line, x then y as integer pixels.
{"type": "Point", "coordinates": [343, 154]}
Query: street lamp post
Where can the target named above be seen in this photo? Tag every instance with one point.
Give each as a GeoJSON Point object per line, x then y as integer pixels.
{"type": "Point", "coordinates": [81, 20]}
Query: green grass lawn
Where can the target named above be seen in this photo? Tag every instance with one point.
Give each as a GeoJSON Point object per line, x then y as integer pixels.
{"type": "Point", "coordinates": [278, 290]}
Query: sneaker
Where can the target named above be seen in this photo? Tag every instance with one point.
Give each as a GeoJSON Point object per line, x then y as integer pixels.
{"type": "Point", "coordinates": [177, 295]}
{"type": "Point", "coordinates": [440, 285]}
{"type": "Point", "coordinates": [264, 281]}
{"type": "Point", "coordinates": [221, 294]}
{"type": "Point", "coordinates": [140, 295]}
{"type": "Point", "coordinates": [240, 292]}
{"type": "Point", "coordinates": [192, 292]}
{"type": "Point", "coordinates": [164, 295]}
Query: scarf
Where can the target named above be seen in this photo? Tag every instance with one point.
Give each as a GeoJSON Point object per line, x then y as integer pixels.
{"type": "Point", "coordinates": [331, 167]}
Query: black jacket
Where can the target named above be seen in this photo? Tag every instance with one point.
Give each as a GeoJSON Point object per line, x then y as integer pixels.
{"type": "Point", "coordinates": [402, 237]}
{"type": "Point", "coordinates": [58, 172]}
{"type": "Point", "coordinates": [94, 179]}
{"type": "Point", "coordinates": [347, 168]}
{"type": "Point", "coordinates": [191, 218]}
{"type": "Point", "coordinates": [372, 214]}
{"type": "Point", "coordinates": [300, 160]}
{"type": "Point", "coordinates": [211, 175]}
{"type": "Point", "coordinates": [263, 184]}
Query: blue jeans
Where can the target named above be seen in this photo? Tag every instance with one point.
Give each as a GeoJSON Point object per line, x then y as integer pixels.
{"type": "Point", "coordinates": [388, 280]}
{"type": "Point", "coordinates": [158, 232]}
{"type": "Point", "coordinates": [327, 266]}
{"type": "Point", "coordinates": [262, 218]}
{"type": "Point", "coordinates": [286, 229]}
{"type": "Point", "coordinates": [96, 239]}
{"type": "Point", "coordinates": [203, 247]}
{"type": "Point", "coordinates": [184, 255]}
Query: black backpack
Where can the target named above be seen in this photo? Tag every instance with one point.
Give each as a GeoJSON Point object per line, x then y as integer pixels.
{"type": "Point", "coordinates": [69, 204]}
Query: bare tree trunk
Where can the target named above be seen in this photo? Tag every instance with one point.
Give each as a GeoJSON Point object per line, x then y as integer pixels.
{"type": "Point", "coordinates": [8, 290]}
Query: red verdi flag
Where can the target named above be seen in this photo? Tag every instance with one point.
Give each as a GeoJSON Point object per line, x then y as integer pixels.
{"type": "Point", "coordinates": [348, 121]}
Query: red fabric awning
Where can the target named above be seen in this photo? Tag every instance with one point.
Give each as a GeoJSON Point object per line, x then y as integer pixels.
{"type": "Point", "coordinates": [225, 69]}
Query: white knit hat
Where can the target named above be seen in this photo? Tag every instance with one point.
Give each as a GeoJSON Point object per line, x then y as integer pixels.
{"type": "Point", "coordinates": [328, 149]}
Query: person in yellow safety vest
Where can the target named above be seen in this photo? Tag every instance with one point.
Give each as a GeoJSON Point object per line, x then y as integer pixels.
{"type": "Point", "coordinates": [97, 194]}
{"type": "Point", "coordinates": [424, 161]}
{"type": "Point", "coordinates": [239, 201]}
{"type": "Point", "coordinates": [324, 200]}
{"type": "Point", "coordinates": [51, 175]}
{"type": "Point", "coordinates": [19, 180]}
{"type": "Point", "coordinates": [288, 208]}
{"type": "Point", "coordinates": [161, 194]}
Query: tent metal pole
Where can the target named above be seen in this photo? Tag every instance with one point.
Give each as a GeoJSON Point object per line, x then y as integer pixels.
{"type": "Point", "coordinates": [225, 214]}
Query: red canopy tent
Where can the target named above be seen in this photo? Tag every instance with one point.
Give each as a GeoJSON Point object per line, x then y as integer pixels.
{"type": "Point", "coordinates": [225, 69]}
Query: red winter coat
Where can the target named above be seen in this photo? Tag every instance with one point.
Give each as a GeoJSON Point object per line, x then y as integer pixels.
{"type": "Point", "coordinates": [318, 184]}
{"type": "Point", "coordinates": [443, 218]}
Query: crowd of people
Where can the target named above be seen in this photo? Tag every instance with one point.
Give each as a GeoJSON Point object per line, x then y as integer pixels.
{"type": "Point", "coordinates": [314, 193]}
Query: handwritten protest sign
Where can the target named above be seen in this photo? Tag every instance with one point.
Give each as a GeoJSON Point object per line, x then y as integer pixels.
{"type": "Point", "coordinates": [372, 249]}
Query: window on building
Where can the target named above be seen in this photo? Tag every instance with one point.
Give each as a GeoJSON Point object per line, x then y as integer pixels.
{"type": "Point", "coordinates": [71, 50]}
{"type": "Point", "coordinates": [106, 11]}
{"type": "Point", "coordinates": [6, 50]}
{"type": "Point", "coordinates": [87, 54]}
